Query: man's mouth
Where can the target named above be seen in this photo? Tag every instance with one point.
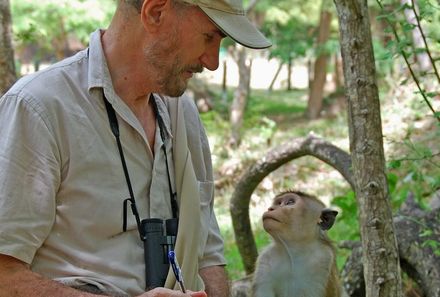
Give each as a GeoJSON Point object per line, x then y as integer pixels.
{"type": "Point", "coordinates": [188, 74]}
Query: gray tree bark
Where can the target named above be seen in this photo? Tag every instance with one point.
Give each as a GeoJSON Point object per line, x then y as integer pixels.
{"type": "Point", "coordinates": [415, 229]}
{"type": "Point", "coordinates": [7, 65]}
{"type": "Point", "coordinates": [379, 245]}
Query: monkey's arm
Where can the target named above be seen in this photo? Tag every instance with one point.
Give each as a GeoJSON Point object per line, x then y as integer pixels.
{"type": "Point", "coordinates": [262, 290]}
{"type": "Point", "coordinates": [263, 282]}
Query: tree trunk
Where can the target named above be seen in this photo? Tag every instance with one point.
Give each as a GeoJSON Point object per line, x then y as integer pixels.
{"type": "Point", "coordinates": [421, 262]}
{"type": "Point", "coordinates": [421, 58]}
{"type": "Point", "coordinates": [224, 80]}
{"type": "Point", "coordinates": [7, 65]}
{"type": "Point", "coordinates": [272, 83]}
{"type": "Point", "coordinates": [338, 76]}
{"type": "Point", "coordinates": [379, 244]}
{"type": "Point", "coordinates": [240, 97]}
{"type": "Point", "coordinates": [293, 149]}
{"type": "Point", "coordinates": [289, 75]}
{"type": "Point", "coordinates": [314, 105]}
{"type": "Point", "coordinates": [248, 79]}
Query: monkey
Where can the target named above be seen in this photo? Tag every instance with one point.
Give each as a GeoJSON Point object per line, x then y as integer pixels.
{"type": "Point", "coordinates": [300, 261]}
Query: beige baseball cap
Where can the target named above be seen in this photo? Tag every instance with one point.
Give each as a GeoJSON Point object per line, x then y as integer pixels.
{"type": "Point", "coordinates": [230, 17]}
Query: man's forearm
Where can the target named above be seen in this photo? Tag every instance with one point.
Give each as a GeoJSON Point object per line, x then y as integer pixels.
{"type": "Point", "coordinates": [216, 281]}
{"type": "Point", "coordinates": [17, 280]}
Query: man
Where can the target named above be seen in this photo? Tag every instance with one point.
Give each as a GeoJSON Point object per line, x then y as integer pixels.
{"type": "Point", "coordinates": [80, 137]}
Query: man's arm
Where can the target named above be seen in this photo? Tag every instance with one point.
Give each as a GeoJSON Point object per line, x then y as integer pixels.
{"type": "Point", "coordinates": [17, 280]}
{"type": "Point", "coordinates": [216, 281]}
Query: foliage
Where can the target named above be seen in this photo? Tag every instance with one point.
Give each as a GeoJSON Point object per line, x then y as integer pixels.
{"type": "Point", "coordinates": [235, 265]}
{"type": "Point", "coordinates": [403, 43]}
{"type": "Point", "coordinates": [291, 25]}
{"type": "Point", "coordinates": [46, 24]}
{"type": "Point", "coordinates": [418, 170]}
{"type": "Point", "coordinates": [290, 40]}
{"type": "Point", "coordinates": [408, 168]}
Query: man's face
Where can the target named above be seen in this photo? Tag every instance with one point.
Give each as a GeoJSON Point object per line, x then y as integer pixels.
{"type": "Point", "coordinates": [190, 45]}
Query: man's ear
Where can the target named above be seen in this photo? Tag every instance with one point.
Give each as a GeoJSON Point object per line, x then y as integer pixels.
{"type": "Point", "coordinates": [327, 218]}
{"type": "Point", "coordinates": [153, 12]}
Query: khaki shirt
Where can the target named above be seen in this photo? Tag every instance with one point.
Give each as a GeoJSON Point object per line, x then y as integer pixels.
{"type": "Point", "coordinates": [62, 185]}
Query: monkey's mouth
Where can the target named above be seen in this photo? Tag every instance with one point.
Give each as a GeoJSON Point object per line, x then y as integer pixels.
{"type": "Point", "coordinates": [269, 217]}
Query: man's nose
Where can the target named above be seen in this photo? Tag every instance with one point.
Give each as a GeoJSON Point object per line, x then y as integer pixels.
{"type": "Point", "coordinates": [210, 58]}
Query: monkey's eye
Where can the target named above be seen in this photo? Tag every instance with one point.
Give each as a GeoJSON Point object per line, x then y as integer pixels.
{"type": "Point", "coordinates": [277, 202]}
{"type": "Point", "coordinates": [290, 202]}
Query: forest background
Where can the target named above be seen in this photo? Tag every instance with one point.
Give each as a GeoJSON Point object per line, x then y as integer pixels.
{"type": "Point", "coordinates": [259, 100]}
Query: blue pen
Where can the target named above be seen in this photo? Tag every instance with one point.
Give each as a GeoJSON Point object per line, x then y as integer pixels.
{"type": "Point", "coordinates": [176, 269]}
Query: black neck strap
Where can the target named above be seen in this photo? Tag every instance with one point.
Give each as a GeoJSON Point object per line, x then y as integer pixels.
{"type": "Point", "coordinates": [162, 129]}
{"type": "Point", "coordinates": [115, 129]}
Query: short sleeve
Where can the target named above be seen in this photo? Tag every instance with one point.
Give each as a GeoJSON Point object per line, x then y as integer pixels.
{"type": "Point", "coordinates": [29, 177]}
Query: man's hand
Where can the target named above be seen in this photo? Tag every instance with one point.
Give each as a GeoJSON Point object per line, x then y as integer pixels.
{"type": "Point", "coordinates": [216, 281]}
{"type": "Point", "coordinates": [162, 292]}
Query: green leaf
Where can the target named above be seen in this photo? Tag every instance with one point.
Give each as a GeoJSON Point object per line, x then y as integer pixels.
{"type": "Point", "coordinates": [404, 82]}
{"type": "Point", "coordinates": [431, 243]}
{"type": "Point", "coordinates": [407, 27]}
{"type": "Point", "coordinates": [420, 50]}
{"type": "Point", "coordinates": [394, 164]}
{"type": "Point", "coordinates": [426, 232]}
{"type": "Point", "coordinates": [392, 181]}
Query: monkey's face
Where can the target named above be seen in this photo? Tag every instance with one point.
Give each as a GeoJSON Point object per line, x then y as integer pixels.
{"type": "Point", "coordinates": [291, 215]}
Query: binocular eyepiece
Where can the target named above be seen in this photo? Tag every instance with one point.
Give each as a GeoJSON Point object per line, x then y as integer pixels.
{"type": "Point", "coordinates": [159, 238]}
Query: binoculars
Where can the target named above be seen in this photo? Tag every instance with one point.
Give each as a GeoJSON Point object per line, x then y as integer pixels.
{"type": "Point", "coordinates": [159, 238]}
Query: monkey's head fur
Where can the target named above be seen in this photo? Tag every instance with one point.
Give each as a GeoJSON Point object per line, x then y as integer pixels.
{"type": "Point", "coordinates": [295, 216]}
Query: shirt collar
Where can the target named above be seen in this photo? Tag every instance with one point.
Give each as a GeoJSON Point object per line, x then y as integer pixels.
{"type": "Point", "coordinates": [99, 75]}
{"type": "Point", "coordinates": [163, 112]}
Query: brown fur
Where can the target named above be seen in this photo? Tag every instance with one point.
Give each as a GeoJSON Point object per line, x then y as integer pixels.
{"type": "Point", "coordinates": [291, 222]}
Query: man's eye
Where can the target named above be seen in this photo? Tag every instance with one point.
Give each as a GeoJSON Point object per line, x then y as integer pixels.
{"type": "Point", "coordinates": [209, 37]}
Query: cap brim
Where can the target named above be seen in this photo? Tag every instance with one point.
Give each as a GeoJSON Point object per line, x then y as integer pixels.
{"type": "Point", "coordinates": [238, 27]}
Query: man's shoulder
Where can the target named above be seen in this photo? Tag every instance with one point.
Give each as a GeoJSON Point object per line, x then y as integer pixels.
{"type": "Point", "coordinates": [52, 79]}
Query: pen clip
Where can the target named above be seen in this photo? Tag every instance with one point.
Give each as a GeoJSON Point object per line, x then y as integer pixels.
{"type": "Point", "coordinates": [176, 269]}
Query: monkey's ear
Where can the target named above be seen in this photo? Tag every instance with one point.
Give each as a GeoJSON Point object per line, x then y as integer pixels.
{"type": "Point", "coordinates": [327, 219]}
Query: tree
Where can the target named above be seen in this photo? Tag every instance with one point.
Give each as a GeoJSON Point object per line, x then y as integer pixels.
{"type": "Point", "coordinates": [46, 28]}
{"type": "Point", "coordinates": [314, 105]}
{"type": "Point", "coordinates": [379, 244]}
{"type": "Point", "coordinates": [421, 57]}
{"type": "Point", "coordinates": [7, 65]}
{"type": "Point", "coordinates": [418, 236]}
{"type": "Point", "coordinates": [291, 35]}
{"type": "Point", "coordinates": [241, 94]}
